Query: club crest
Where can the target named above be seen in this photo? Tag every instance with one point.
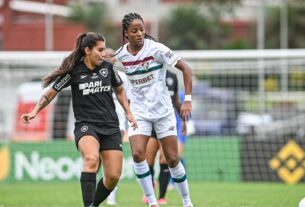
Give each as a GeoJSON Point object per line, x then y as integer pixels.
{"type": "Point", "coordinates": [104, 72]}
{"type": "Point", "coordinates": [145, 65]}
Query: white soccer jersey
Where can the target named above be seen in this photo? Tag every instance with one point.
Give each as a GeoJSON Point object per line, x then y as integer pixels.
{"type": "Point", "coordinates": [149, 96]}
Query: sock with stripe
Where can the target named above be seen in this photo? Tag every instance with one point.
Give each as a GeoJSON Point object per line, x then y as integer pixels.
{"type": "Point", "coordinates": [144, 177]}
{"type": "Point", "coordinates": [179, 178]}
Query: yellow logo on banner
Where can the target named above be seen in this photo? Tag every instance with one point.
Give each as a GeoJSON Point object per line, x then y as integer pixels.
{"type": "Point", "coordinates": [4, 162]}
{"type": "Point", "coordinates": [289, 163]}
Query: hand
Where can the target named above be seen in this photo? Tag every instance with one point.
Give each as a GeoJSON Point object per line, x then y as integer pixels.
{"type": "Point", "coordinates": [133, 121]}
{"type": "Point", "coordinates": [27, 117]}
{"type": "Point", "coordinates": [186, 110]}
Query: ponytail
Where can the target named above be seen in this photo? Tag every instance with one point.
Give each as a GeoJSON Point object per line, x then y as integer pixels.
{"type": "Point", "coordinates": [84, 40]}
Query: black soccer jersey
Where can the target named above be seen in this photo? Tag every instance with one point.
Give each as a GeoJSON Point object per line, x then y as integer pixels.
{"type": "Point", "coordinates": [172, 84]}
{"type": "Point", "coordinates": [92, 95]}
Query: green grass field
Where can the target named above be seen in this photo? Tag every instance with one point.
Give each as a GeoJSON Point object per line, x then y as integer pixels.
{"type": "Point", "coordinates": [67, 194]}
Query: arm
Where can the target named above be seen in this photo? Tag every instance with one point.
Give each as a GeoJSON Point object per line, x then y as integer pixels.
{"type": "Point", "coordinates": [177, 103]}
{"type": "Point", "coordinates": [177, 106]}
{"type": "Point", "coordinates": [46, 98]}
{"type": "Point", "coordinates": [121, 96]}
{"type": "Point", "coordinates": [186, 107]}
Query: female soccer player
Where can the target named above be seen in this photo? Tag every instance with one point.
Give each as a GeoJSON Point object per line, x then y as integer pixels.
{"type": "Point", "coordinates": [97, 132]}
{"type": "Point", "coordinates": [150, 102]}
{"type": "Point", "coordinates": [153, 145]}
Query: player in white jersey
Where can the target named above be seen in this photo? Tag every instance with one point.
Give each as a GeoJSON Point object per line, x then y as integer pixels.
{"type": "Point", "coordinates": [144, 60]}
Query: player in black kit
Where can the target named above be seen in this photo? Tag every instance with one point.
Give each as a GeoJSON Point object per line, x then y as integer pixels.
{"type": "Point", "coordinates": [97, 132]}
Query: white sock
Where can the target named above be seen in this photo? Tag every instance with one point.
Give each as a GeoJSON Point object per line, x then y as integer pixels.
{"type": "Point", "coordinates": [144, 177]}
{"type": "Point", "coordinates": [179, 177]}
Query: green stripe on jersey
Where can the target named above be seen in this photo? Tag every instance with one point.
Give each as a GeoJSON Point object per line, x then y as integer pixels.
{"type": "Point", "coordinates": [143, 175]}
{"type": "Point", "coordinates": [145, 70]}
{"type": "Point", "coordinates": [179, 180]}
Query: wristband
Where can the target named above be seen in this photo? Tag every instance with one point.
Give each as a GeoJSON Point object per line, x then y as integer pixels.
{"type": "Point", "coordinates": [188, 98]}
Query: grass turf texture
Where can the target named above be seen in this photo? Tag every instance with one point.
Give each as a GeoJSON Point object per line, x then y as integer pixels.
{"type": "Point", "coordinates": [67, 194]}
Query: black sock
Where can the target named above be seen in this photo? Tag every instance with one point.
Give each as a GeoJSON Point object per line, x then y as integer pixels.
{"type": "Point", "coordinates": [152, 172]}
{"type": "Point", "coordinates": [88, 185]}
{"type": "Point", "coordinates": [101, 193]}
{"type": "Point", "coordinates": [163, 180]}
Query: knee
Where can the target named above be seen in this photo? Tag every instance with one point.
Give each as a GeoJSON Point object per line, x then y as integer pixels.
{"type": "Point", "coordinates": [138, 155]}
{"type": "Point", "coordinates": [114, 177]}
{"type": "Point", "coordinates": [173, 161]}
{"type": "Point", "coordinates": [91, 162]}
{"type": "Point", "coordinates": [111, 179]}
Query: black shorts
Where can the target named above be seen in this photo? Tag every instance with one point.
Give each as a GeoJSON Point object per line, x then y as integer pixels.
{"type": "Point", "coordinates": [107, 142]}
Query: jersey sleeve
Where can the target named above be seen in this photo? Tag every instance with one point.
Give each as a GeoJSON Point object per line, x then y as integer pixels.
{"type": "Point", "coordinates": [116, 80]}
{"type": "Point", "coordinates": [62, 82]}
{"type": "Point", "coordinates": [166, 55]}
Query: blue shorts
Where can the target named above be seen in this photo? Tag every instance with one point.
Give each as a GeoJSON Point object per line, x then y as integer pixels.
{"type": "Point", "coordinates": [181, 138]}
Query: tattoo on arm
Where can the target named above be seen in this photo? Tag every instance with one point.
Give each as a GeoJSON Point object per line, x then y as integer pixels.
{"type": "Point", "coordinates": [47, 98]}
{"type": "Point", "coordinates": [44, 101]}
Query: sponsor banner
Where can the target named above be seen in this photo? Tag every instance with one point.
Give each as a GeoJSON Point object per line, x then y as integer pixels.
{"type": "Point", "coordinates": [208, 159]}
{"type": "Point", "coordinates": [49, 161]}
{"type": "Point", "coordinates": [281, 159]}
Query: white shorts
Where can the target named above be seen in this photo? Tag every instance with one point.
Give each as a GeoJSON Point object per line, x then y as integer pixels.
{"type": "Point", "coordinates": [163, 127]}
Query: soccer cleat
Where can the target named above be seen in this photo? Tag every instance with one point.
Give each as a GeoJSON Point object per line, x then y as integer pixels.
{"type": "Point", "coordinates": [162, 201]}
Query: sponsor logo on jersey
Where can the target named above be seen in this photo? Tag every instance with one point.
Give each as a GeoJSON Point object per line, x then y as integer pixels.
{"type": "Point", "coordinates": [93, 87]}
{"type": "Point", "coordinates": [104, 72]}
{"type": "Point", "coordinates": [62, 82]}
{"type": "Point", "coordinates": [142, 81]}
{"type": "Point", "coordinates": [94, 76]}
